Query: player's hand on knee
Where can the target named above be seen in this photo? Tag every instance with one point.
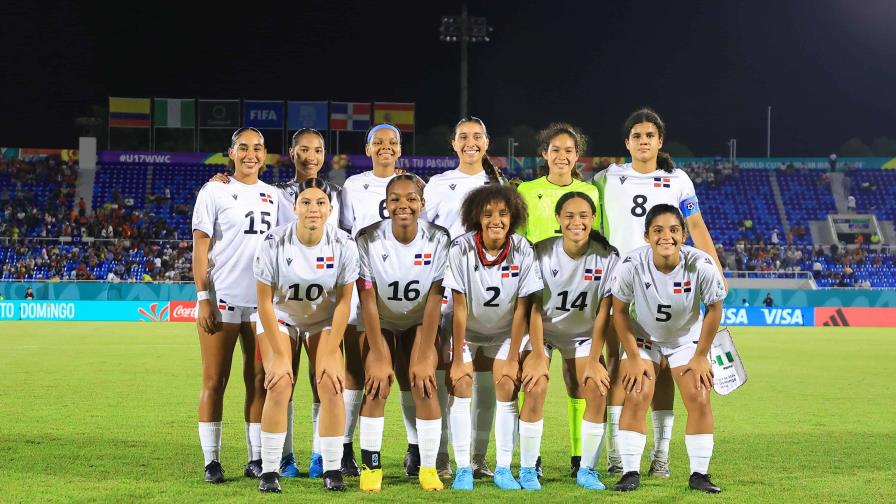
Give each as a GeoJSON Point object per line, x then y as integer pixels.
{"type": "Point", "coordinates": [506, 369]}
{"type": "Point", "coordinates": [535, 366]}
{"type": "Point", "coordinates": [330, 374]}
{"type": "Point", "coordinates": [277, 371]}
{"type": "Point", "coordinates": [701, 370]}
{"type": "Point", "coordinates": [634, 371]}
{"type": "Point", "coordinates": [458, 371]}
{"type": "Point", "coordinates": [423, 377]}
{"type": "Point", "coordinates": [597, 374]}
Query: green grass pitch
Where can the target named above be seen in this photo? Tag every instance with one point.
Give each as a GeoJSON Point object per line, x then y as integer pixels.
{"type": "Point", "coordinates": [106, 412]}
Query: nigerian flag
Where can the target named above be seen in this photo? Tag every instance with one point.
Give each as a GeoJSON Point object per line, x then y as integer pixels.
{"type": "Point", "coordinates": [174, 113]}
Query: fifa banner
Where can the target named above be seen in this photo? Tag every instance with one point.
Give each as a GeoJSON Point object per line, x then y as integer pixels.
{"type": "Point", "coordinates": [775, 316]}
{"type": "Point", "coordinates": [67, 311]}
{"type": "Point", "coordinates": [307, 114]}
{"type": "Point", "coordinates": [219, 114]}
{"type": "Point", "coordinates": [263, 114]}
{"type": "Point", "coordinates": [855, 317]}
{"type": "Point", "coordinates": [208, 158]}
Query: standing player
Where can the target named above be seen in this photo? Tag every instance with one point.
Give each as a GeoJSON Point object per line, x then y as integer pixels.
{"type": "Point", "coordinates": [403, 261]}
{"type": "Point", "coordinates": [228, 223]}
{"type": "Point", "coordinates": [663, 284]}
{"type": "Point", "coordinates": [304, 274]}
{"type": "Point", "coordinates": [570, 315]}
{"type": "Point", "coordinates": [560, 145]}
{"type": "Point", "coordinates": [491, 272]}
{"type": "Point", "coordinates": [627, 192]}
{"type": "Point", "coordinates": [444, 194]}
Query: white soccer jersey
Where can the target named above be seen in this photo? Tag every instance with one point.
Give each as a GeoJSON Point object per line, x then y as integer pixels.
{"type": "Point", "coordinates": [363, 201]}
{"type": "Point", "coordinates": [573, 289]}
{"type": "Point", "coordinates": [403, 273]}
{"type": "Point", "coordinates": [304, 279]}
{"type": "Point", "coordinates": [445, 193]}
{"type": "Point", "coordinates": [236, 216]}
{"type": "Point", "coordinates": [491, 291]}
{"type": "Point", "coordinates": [288, 192]}
{"type": "Point", "coordinates": [666, 307]}
{"type": "Point", "coordinates": [627, 196]}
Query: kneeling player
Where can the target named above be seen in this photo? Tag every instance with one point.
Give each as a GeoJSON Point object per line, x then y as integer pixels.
{"type": "Point", "coordinates": [667, 281]}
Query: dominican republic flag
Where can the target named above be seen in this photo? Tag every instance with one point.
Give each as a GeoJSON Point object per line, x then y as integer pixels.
{"type": "Point", "coordinates": [423, 259]}
{"type": "Point", "coordinates": [645, 344]}
{"type": "Point", "coordinates": [222, 305]}
{"type": "Point", "coordinates": [510, 271]}
{"type": "Point", "coordinates": [662, 182]}
{"type": "Point", "coordinates": [346, 116]}
{"type": "Point", "coordinates": [680, 287]}
{"type": "Point", "coordinates": [325, 263]}
{"type": "Point", "coordinates": [266, 198]}
{"type": "Point", "coordinates": [593, 274]}
{"type": "Point", "coordinates": [445, 299]}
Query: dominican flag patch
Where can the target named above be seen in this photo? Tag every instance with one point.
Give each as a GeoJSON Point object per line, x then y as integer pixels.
{"type": "Point", "coordinates": [325, 263]}
{"type": "Point", "coordinates": [266, 198]}
{"type": "Point", "coordinates": [662, 182]}
{"type": "Point", "coordinates": [424, 259]}
{"type": "Point", "coordinates": [593, 274]}
{"type": "Point", "coordinates": [223, 306]}
{"type": "Point", "coordinates": [645, 344]}
{"type": "Point", "coordinates": [445, 299]}
{"type": "Point", "coordinates": [510, 271]}
{"type": "Point", "coordinates": [680, 287]}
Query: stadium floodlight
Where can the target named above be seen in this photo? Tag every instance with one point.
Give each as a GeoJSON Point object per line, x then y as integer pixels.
{"type": "Point", "coordinates": [464, 29]}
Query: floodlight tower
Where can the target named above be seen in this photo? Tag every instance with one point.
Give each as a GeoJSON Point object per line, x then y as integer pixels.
{"type": "Point", "coordinates": [464, 29]}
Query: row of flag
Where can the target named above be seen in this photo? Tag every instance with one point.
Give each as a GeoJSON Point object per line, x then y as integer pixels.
{"type": "Point", "coordinates": [261, 114]}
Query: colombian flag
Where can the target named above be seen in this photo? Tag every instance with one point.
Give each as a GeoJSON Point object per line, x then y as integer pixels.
{"type": "Point", "coordinates": [129, 112]}
{"type": "Point", "coordinates": [401, 115]}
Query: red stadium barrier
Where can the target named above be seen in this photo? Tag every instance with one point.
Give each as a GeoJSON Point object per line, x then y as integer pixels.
{"type": "Point", "coordinates": [855, 317]}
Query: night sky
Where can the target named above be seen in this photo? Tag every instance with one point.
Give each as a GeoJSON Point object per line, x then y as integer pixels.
{"type": "Point", "coordinates": [827, 67]}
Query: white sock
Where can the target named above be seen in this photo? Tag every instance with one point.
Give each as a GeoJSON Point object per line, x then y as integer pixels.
{"type": "Point", "coordinates": [315, 432]}
{"type": "Point", "coordinates": [592, 434]}
{"type": "Point", "coordinates": [613, 413]}
{"type": "Point", "coordinates": [253, 440]}
{"type": "Point", "coordinates": [663, 421]}
{"type": "Point", "coordinates": [460, 429]}
{"type": "Point", "coordinates": [700, 451]}
{"type": "Point", "coordinates": [210, 441]}
{"type": "Point", "coordinates": [271, 450]}
{"type": "Point", "coordinates": [287, 443]}
{"type": "Point", "coordinates": [429, 432]}
{"type": "Point", "coordinates": [530, 442]}
{"type": "Point", "coordinates": [352, 400]}
{"type": "Point", "coordinates": [483, 411]}
{"type": "Point", "coordinates": [409, 413]}
{"type": "Point", "coordinates": [331, 451]}
{"type": "Point", "coordinates": [372, 433]}
{"type": "Point", "coordinates": [631, 448]}
{"type": "Point", "coordinates": [442, 390]}
{"type": "Point", "coordinates": [506, 417]}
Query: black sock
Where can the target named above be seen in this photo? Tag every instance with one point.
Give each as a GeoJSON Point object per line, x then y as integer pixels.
{"type": "Point", "coordinates": [414, 449]}
{"type": "Point", "coordinates": [371, 459]}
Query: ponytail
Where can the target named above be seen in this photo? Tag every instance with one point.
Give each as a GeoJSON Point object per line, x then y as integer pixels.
{"type": "Point", "coordinates": [494, 174]}
{"type": "Point", "coordinates": [598, 237]}
{"type": "Point", "coordinates": [664, 162]}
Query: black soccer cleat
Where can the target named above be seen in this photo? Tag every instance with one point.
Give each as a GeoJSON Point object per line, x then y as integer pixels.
{"type": "Point", "coordinates": [214, 473]}
{"type": "Point", "coordinates": [253, 469]}
{"type": "Point", "coordinates": [412, 460]}
{"type": "Point", "coordinates": [269, 482]}
{"type": "Point", "coordinates": [539, 472]}
{"type": "Point", "coordinates": [333, 481]}
{"type": "Point", "coordinates": [630, 481]}
{"type": "Point", "coordinates": [702, 482]}
{"type": "Point", "coordinates": [349, 466]}
{"type": "Point", "coordinates": [574, 463]}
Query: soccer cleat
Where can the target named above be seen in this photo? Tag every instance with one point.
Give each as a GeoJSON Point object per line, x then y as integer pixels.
{"type": "Point", "coordinates": [630, 481]}
{"type": "Point", "coordinates": [288, 467]}
{"type": "Point", "coordinates": [316, 466]}
{"type": "Point", "coordinates": [443, 465]}
{"type": "Point", "coordinates": [333, 481]}
{"type": "Point", "coordinates": [659, 467]}
{"type": "Point", "coordinates": [214, 473]}
{"type": "Point", "coordinates": [481, 468]}
{"type": "Point", "coordinates": [429, 479]}
{"type": "Point", "coordinates": [349, 466]}
{"type": "Point", "coordinates": [253, 469]}
{"type": "Point", "coordinates": [412, 460]}
{"type": "Point", "coordinates": [702, 482]}
{"type": "Point", "coordinates": [574, 463]}
{"type": "Point", "coordinates": [464, 479]}
{"type": "Point", "coordinates": [614, 464]}
{"type": "Point", "coordinates": [371, 479]}
{"type": "Point", "coordinates": [529, 479]}
{"type": "Point", "coordinates": [538, 470]}
{"type": "Point", "coordinates": [504, 479]}
{"type": "Point", "coordinates": [269, 482]}
{"type": "Point", "coordinates": [589, 479]}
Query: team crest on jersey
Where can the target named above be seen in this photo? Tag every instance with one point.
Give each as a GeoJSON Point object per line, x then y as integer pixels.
{"type": "Point", "coordinates": [510, 271]}
{"type": "Point", "coordinates": [289, 261]}
{"type": "Point", "coordinates": [266, 198]}
{"type": "Point", "coordinates": [452, 186]}
{"type": "Point", "coordinates": [555, 271]}
{"type": "Point", "coordinates": [328, 262]}
{"type": "Point", "coordinates": [385, 256]}
{"type": "Point", "coordinates": [681, 287]}
{"type": "Point", "coordinates": [424, 259]}
{"type": "Point", "coordinates": [622, 179]}
{"type": "Point", "coordinates": [593, 274]}
{"type": "Point", "coordinates": [662, 182]}
{"type": "Point", "coordinates": [234, 197]}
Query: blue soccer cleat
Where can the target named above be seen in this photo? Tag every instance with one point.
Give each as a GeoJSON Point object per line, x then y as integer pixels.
{"type": "Point", "coordinates": [463, 479]}
{"type": "Point", "coordinates": [316, 466]}
{"type": "Point", "coordinates": [288, 467]}
{"type": "Point", "coordinates": [588, 478]}
{"type": "Point", "coordinates": [529, 479]}
{"type": "Point", "coordinates": [504, 479]}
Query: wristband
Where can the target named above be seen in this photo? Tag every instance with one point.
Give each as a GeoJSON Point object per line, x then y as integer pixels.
{"type": "Point", "coordinates": [202, 295]}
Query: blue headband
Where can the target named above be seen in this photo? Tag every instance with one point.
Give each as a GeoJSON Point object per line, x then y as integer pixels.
{"type": "Point", "coordinates": [380, 127]}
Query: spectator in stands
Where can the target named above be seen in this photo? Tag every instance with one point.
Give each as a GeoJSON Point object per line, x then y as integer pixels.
{"type": "Point", "coordinates": [774, 240]}
{"type": "Point", "coordinates": [744, 302]}
{"type": "Point", "coordinates": [29, 294]}
{"type": "Point", "coordinates": [851, 204]}
{"type": "Point", "coordinates": [768, 301]}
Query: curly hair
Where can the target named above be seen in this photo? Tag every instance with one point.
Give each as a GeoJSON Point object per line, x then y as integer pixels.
{"type": "Point", "coordinates": [476, 201]}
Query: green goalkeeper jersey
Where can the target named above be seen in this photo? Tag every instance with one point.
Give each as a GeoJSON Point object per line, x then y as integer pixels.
{"type": "Point", "coordinates": [541, 197]}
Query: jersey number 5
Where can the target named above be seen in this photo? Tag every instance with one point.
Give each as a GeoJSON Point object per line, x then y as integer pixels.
{"type": "Point", "coordinates": [662, 313]}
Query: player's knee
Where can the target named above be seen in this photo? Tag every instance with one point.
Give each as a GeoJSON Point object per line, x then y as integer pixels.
{"type": "Point", "coordinates": [463, 387]}
{"type": "Point", "coordinates": [279, 392]}
{"type": "Point", "coordinates": [504, 389]}
{"type": "Point", "coordinates": [539, 391]}
{"type": "Point", "coordinates": [697, 402]}
{"type": "Point", "coordinates": [213, 387]}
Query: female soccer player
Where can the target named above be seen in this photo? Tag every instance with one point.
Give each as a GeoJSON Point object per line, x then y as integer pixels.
{"type": "Point", "coordinates": [228, 223]}
{"type": "Point", "coordinates": [444, 195]}
{"type": "Point", "coordinates": [491, 272]}
{"type": "Point", "coordinates": [560, 145]}
{"type": "Point", "coordinates": [304, 274]}
{"type": "Point", "coordinates": [627, 192]}
{"type": "Point", "coordinates": [571, 315]}
{"type": "Point", "coordinates": [403, 260]}
{"type": "Point", "coordinates": [664, 284]}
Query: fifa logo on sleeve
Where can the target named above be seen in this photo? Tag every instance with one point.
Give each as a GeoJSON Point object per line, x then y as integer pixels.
{"type": "Point", "coordinates": [424, 259]}
{"type": "Point", "coordinates": [681, 287]}
{"type": "Point", "coordinates": [511, 271]}
{"type": "Point", "coordinates": [593, 274]}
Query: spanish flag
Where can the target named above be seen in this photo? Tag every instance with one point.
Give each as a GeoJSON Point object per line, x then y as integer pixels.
{"type": "Point", "coordinates": [401, 115]}
{"type": "Point", "coordinates": [129, 112]}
